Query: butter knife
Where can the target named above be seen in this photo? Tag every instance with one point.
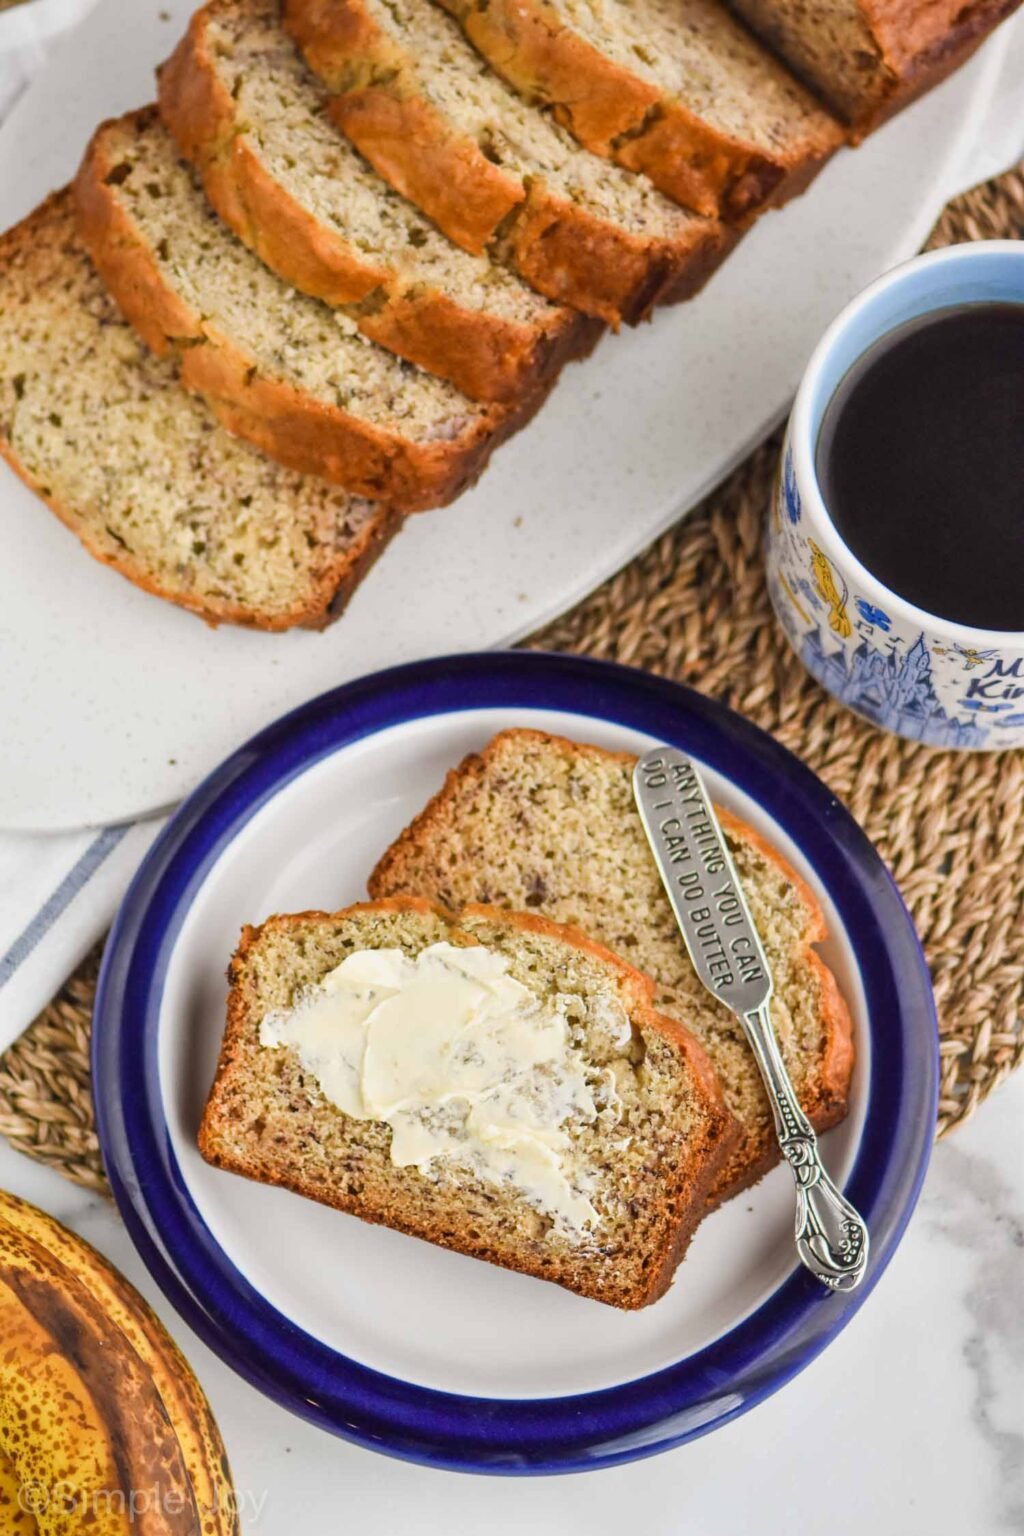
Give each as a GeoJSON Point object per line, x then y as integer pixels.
{"type": "Point", "coordinates": [707, 898]}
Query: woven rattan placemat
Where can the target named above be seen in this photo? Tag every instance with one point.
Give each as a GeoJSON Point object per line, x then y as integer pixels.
{"type": "Point", "coordinates": [694, 608]}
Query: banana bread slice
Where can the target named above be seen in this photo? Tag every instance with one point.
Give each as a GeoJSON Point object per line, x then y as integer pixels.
{"type": "Point", "coordinates": [490, 1082]}
{"type": "Point", "coordinates": [866, 58]}
{"type": "Point", "coordinates": [491, 170]}
{"type": "Point", "coordinates": [539, 822]}
{"type": "Point", "coordinates": [248, 114]}
{"type": "Point", "coordinates": [291, 375]}
{"type": "Point", "coordinates": [140, 470]}
{"type": "Point", "coordinates": [675, 88]}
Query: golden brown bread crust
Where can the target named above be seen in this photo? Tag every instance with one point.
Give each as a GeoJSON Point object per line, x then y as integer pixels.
{"type": "Point", "coordinates": [486, 356]}
{"type": "Point", "coordinates": [412, 146]}
{"type": "Point", "coordinates": [199, 111]}
{"type": "Point", "coordinates": [824, 1097]}
{"type": "Point", "coordinates": [828, 1094]}
{"type": "Point", "coordinates": [297, 430]}
{"type": "Point", "coordinates": [711, 1148]}
{"type": "Point", "coordinates": [921, 50]}
{"type": "Point", "coordinates": [326, 603]}
{"type": "Point", "coordinates": [564, 250]}
{"type": "Point", "coordinates": [619, 114]}
{"type": "Point", "coordinates": [903, 47]}
{"type": "Point", "coordinates": [331, 592]}
{"type": "Point", "coordinates": [375, 103]}
{"type": "Point", "coordinates": [561, 248]}
{"type": "Point", "coordinates": [568, 253]}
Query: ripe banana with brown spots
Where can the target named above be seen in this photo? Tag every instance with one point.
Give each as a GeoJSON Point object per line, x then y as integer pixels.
{"type": "Point", "coordinates": [101, 1418]}
{"type": "Point", "coordinates": [16, 1518]}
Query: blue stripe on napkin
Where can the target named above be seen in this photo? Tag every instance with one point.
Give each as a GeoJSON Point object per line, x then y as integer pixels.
{"type": "Point", "coordinates": [57, 904]}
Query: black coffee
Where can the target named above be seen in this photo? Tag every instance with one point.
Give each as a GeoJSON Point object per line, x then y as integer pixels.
{"type": "Point", "coordinates": [920, 460]}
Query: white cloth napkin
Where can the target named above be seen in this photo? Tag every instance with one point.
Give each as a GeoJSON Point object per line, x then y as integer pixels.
{"type": "Point", "coordinates": [998, 140]}
{"type": "Point", "coordinates": [58, 894]}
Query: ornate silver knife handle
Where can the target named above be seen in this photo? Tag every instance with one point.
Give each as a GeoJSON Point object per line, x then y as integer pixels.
{"type": "Point", "coordinates": [707, 898]}
{"type": "Point", "coordinates": [831, 1238]}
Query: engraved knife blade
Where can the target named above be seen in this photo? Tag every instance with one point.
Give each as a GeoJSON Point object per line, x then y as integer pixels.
{"type": "Point", "coordinates": [704, 889]}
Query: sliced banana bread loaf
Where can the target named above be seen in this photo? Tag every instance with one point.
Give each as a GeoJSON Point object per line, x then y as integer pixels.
{"type": "Point", "coordinates": [539, 822]}
{"type": "Point", "coordinates": [490, 1082]}
{"type": "Point", "coordinates": [868, 58]}
{"type": "Point", "coordinates": [141, 471]}
{"type": "Point", "coordinates": [674, 88]}
{"type": "Point", "coordinates": [284, 371]}
{"type": "Point", "coordinates": [249, 115]}
{"type": "Point", "coordinates": [491, 170]}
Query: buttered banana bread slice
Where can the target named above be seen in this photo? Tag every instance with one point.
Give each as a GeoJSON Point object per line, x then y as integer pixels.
{"type": "Point", "coordinates": [491, 170]}
{"type": "Point", "coordinates": [539, 822]}
{"type": "Point", "coordinates": [248, 114]}
{"type": "Point", "coordinates": [286, 372]}
{"type": "Point", "coordinates": [490, 1082]}
{"type": "Point", "coordinates": [675, 88]}
{"type": "Point", "coordinates": [866, 58]}
{"type": "Point", "coordinates": [140, 470]}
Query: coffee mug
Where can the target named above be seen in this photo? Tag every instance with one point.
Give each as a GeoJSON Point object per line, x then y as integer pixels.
{"type": "Point", "coordinates": [906, 670]}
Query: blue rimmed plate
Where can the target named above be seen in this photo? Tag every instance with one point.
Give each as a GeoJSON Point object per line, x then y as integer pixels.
{"type": "Point", "coordinates": [388, 1341]}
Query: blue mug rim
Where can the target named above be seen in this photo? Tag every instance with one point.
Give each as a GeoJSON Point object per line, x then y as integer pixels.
{"type": "Point", "coordinates": [812, 399]}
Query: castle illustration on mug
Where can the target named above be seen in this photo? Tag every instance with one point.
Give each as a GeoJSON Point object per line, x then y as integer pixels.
{"type": "Point", "coordinates": [857, 650]}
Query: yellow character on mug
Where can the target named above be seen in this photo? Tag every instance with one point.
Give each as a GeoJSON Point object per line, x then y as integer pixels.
{"type": "Point", "coordinates": [972, 657]}
{"type": "Point", "coordinates": [825, 581]}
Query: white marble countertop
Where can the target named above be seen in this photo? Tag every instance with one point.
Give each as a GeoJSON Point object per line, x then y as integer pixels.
{"type": "Point", "coordinates": [910, 1424]}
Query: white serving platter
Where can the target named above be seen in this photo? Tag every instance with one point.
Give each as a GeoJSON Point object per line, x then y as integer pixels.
{"type": "Point", "coordinates": [31, 22]}
{"type": "Point", "coordinates": [115, 704]}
